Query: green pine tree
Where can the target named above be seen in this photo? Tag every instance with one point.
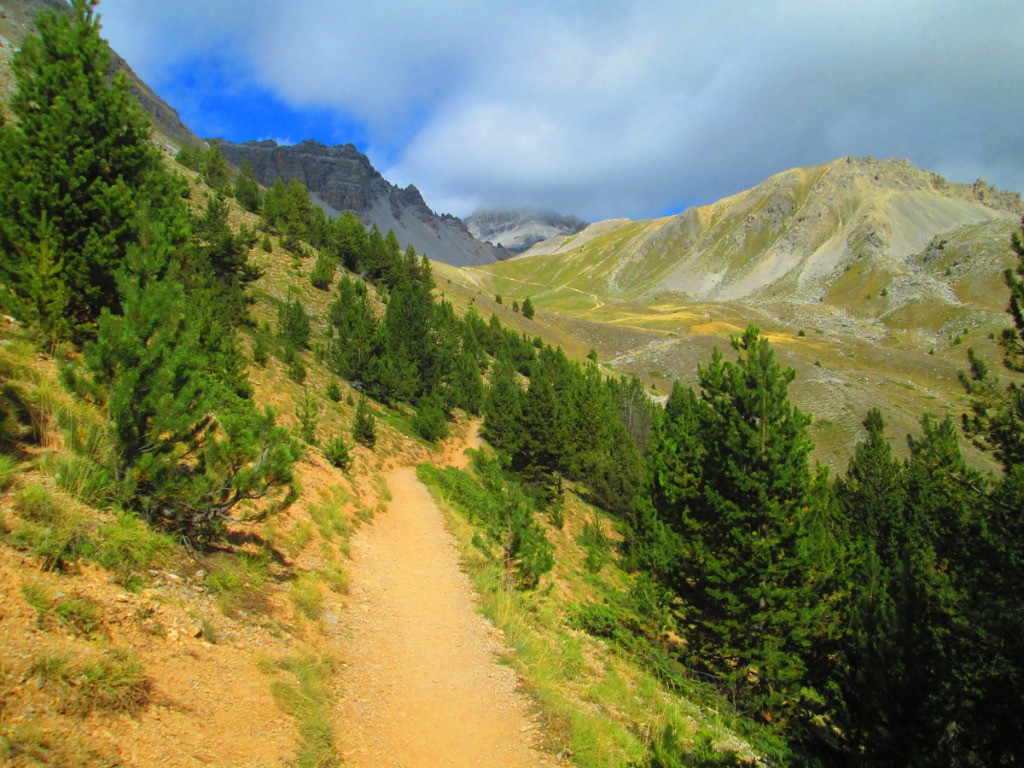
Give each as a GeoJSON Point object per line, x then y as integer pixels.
{"type": "Point", "coordinates": [45, 287]}
{"type": "Point", "coordinates": [293, 324]}
{"type": "Point", "coordinates": [79, 157]}
{"type": "Point", "coordinates": [323, 271]}
{"type": "Point", "coordinates": [189, 453]}
{"type": "Point", "coordinates": [503, 408]}
{"type": "Point", "coordinates": [355, 338]}
{"type": "Point", "coordinates": [215, 169]}
{"type": "Point", "coordinates": [364, 424]}
{"type": "Point", "coordinates": [430, 422]}
{"type": "Point", "coordinates": [247, 189]}
{"type": "Point", "coordinates": [351, 241]}
{"type": "Point", "coordinates": [404, 370]}
{"type": "Point", "coordinates": [750, 591]}
{"type": "Point", "coordinates": [528, 310]}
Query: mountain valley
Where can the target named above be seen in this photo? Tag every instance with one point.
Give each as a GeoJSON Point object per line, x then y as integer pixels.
{"type": "Point", "coordinates": [278, 490]}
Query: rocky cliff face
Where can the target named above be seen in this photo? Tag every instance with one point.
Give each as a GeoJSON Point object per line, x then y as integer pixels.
{"type": "Point", "coordinates": [343, 179]}
{"type": "Point", "coordinates": [518, 230]}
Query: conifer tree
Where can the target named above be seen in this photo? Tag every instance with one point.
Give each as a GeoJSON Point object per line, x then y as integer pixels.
{"type": "Point", "coordinates": [364, 424]}
{"type": "Point", "coordinates": [528, 310]}
{"type": "Point", "coordinates": [430, 422]}
{"type": "Point", "coordinates": [404, 370]}
{"type": "Point", "coordinates": [543, 429]}
{"type": "Point", "coordinates": [467, 385]}
{"type": "Point", "coordinates": [871, 499]}
{"type": "Point", "coordinates": [323, 271]}
{"type": "Point", "coordinates": [188, 450]}
{"type": "Point", "coordinates": [351, 241]}
{"type": "Point", "coordinates": [354, 341]}
{"type": "Point", "coordinates": [247, 189]}
{"type": "Point", "coordinates": [752, 599]}
{"type": "Point", "coordinates": [663, 520]}
{"type": "Point", "coordinates": [503, 408]}
{"type": "Point", "coordinates": [45, 287]}
{"type": "Point", "coordinates": [215, 169]}
{"type": "Point", "coordinates": [78, 157]}
{"type": "Point", "coordinates": [218, 264]}
{"type": "Point", "coordinates": [293, 324]}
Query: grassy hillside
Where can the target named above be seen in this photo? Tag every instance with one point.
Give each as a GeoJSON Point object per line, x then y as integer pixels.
{"type": "Point", "coordinates": [123, 644]}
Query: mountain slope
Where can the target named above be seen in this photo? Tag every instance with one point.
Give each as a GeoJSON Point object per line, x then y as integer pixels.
{"type": "Point", "coordinates": [871, 277]}
{"type": "Point", "coordinates": [344, 179]}
{"type": "Point", "coordinates": [793, 237]}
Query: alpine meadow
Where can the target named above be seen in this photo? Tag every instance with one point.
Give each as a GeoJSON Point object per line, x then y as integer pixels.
{"type": "Point", "coordinates": [296, 471]}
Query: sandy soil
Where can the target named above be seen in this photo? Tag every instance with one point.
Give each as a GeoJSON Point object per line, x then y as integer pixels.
{"type": "Point", "coordinates": [422, 682]}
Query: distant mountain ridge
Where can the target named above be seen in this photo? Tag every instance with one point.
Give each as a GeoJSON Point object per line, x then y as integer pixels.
{"type": "Point", "coordinates": [342, 178]}
{"type": "Point", "coordinates": [518, 229]}
{"type": "Point", "coordinates": [796, 235]}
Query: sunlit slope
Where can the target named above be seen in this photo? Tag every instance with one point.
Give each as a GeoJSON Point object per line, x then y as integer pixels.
{"type": "Point", "coordinates": [871, 279]}
{"type": "Point", "coordinates": [808, 234]}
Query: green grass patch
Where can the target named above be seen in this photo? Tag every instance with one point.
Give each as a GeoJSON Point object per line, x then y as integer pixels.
{"type": "Point", "coordinates": [80, 615]}
{"type": "Point", "coordinates": [238, 581]}
{"type": "Point", "coordinates": [114, 682]}
{"type": "Point", "coordinates": [329, 517]}
{"type": "Point", "coordinates": [307, 698]}
{"type": "Point", "coordinates": [81, 477]}
{"type": "Point", "coordinates": [8, 468]}
{"type": "Point", "coordinates": [297, 539]}
{"type": "Point", "coordinates": [130, 547]}
{"type": "Point", "coordinates": [52, 528]}
{"type": "Point", "coordinates": [306, 596]}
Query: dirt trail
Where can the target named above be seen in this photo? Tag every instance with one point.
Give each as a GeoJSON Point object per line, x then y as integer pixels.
{"type": "Point", "coordinates": [422, 684]}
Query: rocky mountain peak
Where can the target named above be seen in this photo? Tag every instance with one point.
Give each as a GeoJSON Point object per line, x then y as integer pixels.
{"type": "Point", "coordinates": [518, 229]}
{"type": "Point", "coordinates": [344, 179]}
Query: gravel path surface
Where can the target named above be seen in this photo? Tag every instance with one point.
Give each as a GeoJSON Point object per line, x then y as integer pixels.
{"type": "Point", "coordinates": [422, 685]}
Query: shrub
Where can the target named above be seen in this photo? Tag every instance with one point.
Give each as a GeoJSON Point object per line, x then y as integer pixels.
{"type": "Point", "coordinates": [323, 272]}
{"type": "Point", "coordinates": [333, 391]}
{"type": "Point", "coordinates": [430, 422]}
{"type": "Point", "coordinates": [364, 425]}
{"type": "Point", "coordinates": [337, 453]}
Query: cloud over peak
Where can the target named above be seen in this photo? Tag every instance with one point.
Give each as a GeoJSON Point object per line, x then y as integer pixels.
{"type": "Point", "coordinates": [599, 108]}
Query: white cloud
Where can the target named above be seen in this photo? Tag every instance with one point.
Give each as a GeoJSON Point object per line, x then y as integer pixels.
{"type": "Point", "coordinates": [606, 108]}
